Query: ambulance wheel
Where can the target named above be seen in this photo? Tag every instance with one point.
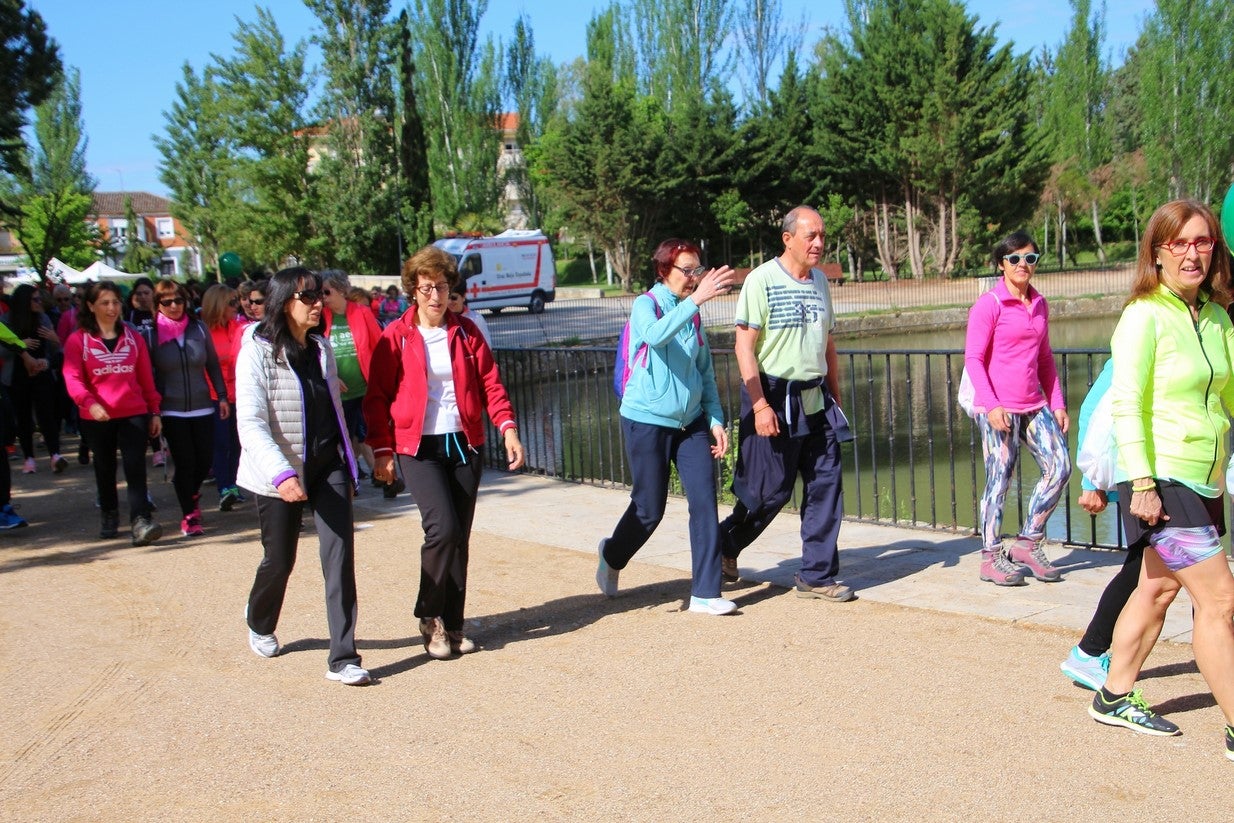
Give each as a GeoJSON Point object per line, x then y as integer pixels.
{"type": "Point", "coordinates": [537, 303]}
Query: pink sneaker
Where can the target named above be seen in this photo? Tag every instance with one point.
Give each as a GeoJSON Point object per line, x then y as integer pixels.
{"type": "Point", "coordinates": [1027, 553]}
{"type": "Point", "coordinates": [190, 526]}
{"type": "Point", "coordinates": [28, 467]}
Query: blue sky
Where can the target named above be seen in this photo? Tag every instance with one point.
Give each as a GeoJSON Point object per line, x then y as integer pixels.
{"type": "Point", "coordinates": [130, 53]}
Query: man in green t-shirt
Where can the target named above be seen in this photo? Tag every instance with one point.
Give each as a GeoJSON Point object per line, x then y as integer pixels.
{"type": "Point", "coordinates": [791, 423]}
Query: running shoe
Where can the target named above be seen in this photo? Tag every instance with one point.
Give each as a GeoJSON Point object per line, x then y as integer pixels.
{"type": "Point", "coordinates": [10, 519]}
{"type": "Point", "coordinates": [606, 575]}
{"type": "Point", "coordinates": [28, 467]}
{"type": "Point", "coordinates": [263, 645]}
{"type": "Point", "coordinates": [1130, 711]}
{"type": "Point", "coordinates": [1086, 670]}
{"type": "Point", "coordinates": [229, 498]}
{"type": "Point", "coordinates": [712, 605]}
{"type": "Point", "coordinates": [58, 464]}
{"type": "Point", "coordinates": [350, 675]}
{"type": "Point", "coordinates": [190, 526]}
{"type": "Point", "coordinates": [835, 592]}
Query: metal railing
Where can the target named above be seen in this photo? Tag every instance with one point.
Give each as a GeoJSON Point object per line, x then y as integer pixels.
{"type": "Point", "coordinates": [916, 461]}
{"type": "Point", "coordinates": [591, 319]}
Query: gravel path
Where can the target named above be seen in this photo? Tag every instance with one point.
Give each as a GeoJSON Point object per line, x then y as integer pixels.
{"type": "Point", "coordinates": [132, 694]}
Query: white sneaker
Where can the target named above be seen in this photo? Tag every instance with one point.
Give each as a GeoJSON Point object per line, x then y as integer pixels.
{"type": "Point", "coordinates": [712, 605]}
{"type": "Point", "coordinates": [263, 645]}
{"type": "Point", "coordinates": [606, 576]}
{"type": "Point", "coordinates": [351, 675]}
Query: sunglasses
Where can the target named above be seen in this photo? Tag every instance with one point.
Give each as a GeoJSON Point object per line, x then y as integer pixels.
{"type": "Point", "coordinates": [307, 296]}
{"type": "Point", "coordinates": [171, 301]}
{"type": "Point", "coordinates": [1014, 259]}
{"type": "Point", "coordinates": [257, 301]}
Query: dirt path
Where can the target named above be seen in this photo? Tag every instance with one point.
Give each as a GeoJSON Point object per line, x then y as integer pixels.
{"type": "Point", "coordinates": [131, 693]}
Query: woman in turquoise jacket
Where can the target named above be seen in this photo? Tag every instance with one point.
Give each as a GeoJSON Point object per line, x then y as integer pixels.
{"type": "Point", "coordinates": [1171, 400]}
{"type": "Point", "coordinates": [670, 414]}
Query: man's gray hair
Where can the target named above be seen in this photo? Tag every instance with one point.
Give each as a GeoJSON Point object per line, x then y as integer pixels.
{"type": "Point", "coordinates": [336, 279]}
{"type": "Point", "coordinates": [789, 224]}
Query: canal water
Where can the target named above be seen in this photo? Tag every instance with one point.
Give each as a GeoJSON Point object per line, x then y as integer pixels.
{"type": "Point", "coordinates": [916, 461]}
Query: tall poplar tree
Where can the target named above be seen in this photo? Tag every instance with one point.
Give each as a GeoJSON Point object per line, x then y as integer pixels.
{"type": "Point", "coordinates": [358, 192]}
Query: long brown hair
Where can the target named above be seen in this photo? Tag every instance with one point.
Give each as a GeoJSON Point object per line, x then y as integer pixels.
{"type": "Point", "coordinates": [1163, 226]}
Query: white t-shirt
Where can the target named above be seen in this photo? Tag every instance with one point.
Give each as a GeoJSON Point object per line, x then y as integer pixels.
{"type": "Point", "coordinates": [441, 412]}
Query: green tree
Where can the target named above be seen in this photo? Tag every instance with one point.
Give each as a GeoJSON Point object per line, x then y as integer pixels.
{"type": "Point", "coordinates": [262, 94]}
{"type": "Point", "coordinates": [1073, 118]}
{"type": "Point", "coordinates": [52, 194]}
{"type": "Point", "coordinates": [29, 71]}
{"type": "Point", "coordinates": [1186, 96]}
{"type": "Point", "coordinates": [358, 191]}
{"type": "Point", "coordinates": [417, 208]}
{"type": "Point", "coordinates": [531, 84]}
{"type": "Point", "coordinates": [601, 165]}
{"type": "Point", "coordinates": [199, 162]}
{"type": "Point", "coordinates": [459, 96]}
{"type": "Point", "coordinates": [924, 118]}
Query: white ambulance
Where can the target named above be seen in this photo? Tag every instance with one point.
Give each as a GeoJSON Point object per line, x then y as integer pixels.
{"type": "Point", "coordinates": [515, 268]}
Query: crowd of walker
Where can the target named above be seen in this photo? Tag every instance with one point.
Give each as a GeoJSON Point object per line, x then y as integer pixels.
{"type": "Point", "coordinates": [285, 389]}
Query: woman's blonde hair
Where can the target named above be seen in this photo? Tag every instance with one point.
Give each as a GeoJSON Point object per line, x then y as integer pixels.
{"type": "Point", "coordinates": [1164, 226]}
{"type": "Point", "coordinates": [214, 304]}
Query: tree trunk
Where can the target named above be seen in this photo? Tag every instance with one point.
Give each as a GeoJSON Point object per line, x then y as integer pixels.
{"type": "Point", "coordinates": [884, 242]}
{"type": "Point", "coordinates": [591, 258]}
{"type": "Point", "coordinates": [1097, 233]}
{"type": "Point", "coordinates": [914, 237]}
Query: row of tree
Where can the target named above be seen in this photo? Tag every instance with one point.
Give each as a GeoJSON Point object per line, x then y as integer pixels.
{"type": "Point", "coordinates": [919, 136]}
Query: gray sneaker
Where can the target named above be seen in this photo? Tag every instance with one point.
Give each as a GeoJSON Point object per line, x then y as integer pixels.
{"type": "Point", "coordinates": [606, 575]}
{"type": "Point", "coordinates": [835, 592]}
{"type": "Point", "coordinates": [436, 642]}
{"type": "Point", "coordinates": [263, 645]}
{"type": "Point", "coordinates": [350, 675]}
{"type": "Point", "coordinates": [146, 531]}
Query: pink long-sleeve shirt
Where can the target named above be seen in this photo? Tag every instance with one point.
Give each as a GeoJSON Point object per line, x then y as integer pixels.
{"type": "Point", "coordinates": [1007, 353]}
{"type": "Point", "coordinates": [121, 381]}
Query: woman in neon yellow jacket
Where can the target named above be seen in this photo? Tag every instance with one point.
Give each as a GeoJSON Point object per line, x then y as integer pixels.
{"type": "Point", "coordinates": [1171, 398]}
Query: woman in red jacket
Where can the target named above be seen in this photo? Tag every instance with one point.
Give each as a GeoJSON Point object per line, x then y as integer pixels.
{"type": "Point", "coordinates": [108, 374]}
{"type": "Point", "coordinates": [220, 307]}
{"type": "Point", "coordinates": [353, 332]}
{"type": "Point", "coordinates": [431, 378]}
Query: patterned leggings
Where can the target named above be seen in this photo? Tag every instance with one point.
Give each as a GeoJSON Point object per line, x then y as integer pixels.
{"type": "Point", "coordinates": [1048, 446]}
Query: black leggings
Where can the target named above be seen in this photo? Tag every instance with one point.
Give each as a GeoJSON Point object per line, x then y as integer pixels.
{"type": "Point", "coordinates": [129, 435]}
{"type": "Point", "coordinates": [1100, 632]}
{"type": "Point", "coordinates": [36, 398]}
{"type": "Point", "coordinates": [191, 443]}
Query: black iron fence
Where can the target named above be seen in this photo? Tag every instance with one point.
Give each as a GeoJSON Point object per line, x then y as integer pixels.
{"type": "Point", "coordinates": [916, 461]}
{"type": "Point", "coordinates": [602, 318]}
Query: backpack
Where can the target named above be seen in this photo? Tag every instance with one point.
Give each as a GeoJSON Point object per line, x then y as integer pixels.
{"type": "Point", "coordinates": [623, 367]}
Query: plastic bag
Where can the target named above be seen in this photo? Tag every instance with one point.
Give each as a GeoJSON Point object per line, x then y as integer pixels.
{"type": "Point", "coordinates": [1097, 457]}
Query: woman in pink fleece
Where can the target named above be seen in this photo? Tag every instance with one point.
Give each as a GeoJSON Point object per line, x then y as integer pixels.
{"type": "Point", "coordinates": [108, 374]}
{"type": "Point", "coordinates": [1017, 398]}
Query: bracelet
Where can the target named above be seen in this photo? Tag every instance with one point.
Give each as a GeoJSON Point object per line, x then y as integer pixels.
{"type": "Point", "coordinates": [1151, 487]}
{"type": "Point", "coordinates": [757, 408]}
{"type": "Point", "coordinates": [763, 409]}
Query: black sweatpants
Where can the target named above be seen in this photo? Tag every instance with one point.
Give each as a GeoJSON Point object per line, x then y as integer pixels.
{"type": "Point", "coordinates": [328, 487]}
{"type": "Point", "coordinates": [444, 488]}
{"type": "Point", "coordinates": [129, 435]}
{"type": "Point", "coordinates": [191, 443]}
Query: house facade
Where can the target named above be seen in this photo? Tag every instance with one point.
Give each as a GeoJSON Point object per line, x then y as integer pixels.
{"type": "Point", "coordinates": [154, 225]}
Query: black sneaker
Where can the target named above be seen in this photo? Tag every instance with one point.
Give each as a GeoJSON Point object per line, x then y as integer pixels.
{"type": "Point", "coordinates": [393, 490]}
{"type": "Point", "coordinates": [1131, 711]}
{"type": "Point", "coordinates": [1229, 742]}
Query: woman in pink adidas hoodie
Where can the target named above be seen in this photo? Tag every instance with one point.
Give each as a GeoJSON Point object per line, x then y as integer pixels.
{"type": "Point", "coordinates": [108, 375]}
